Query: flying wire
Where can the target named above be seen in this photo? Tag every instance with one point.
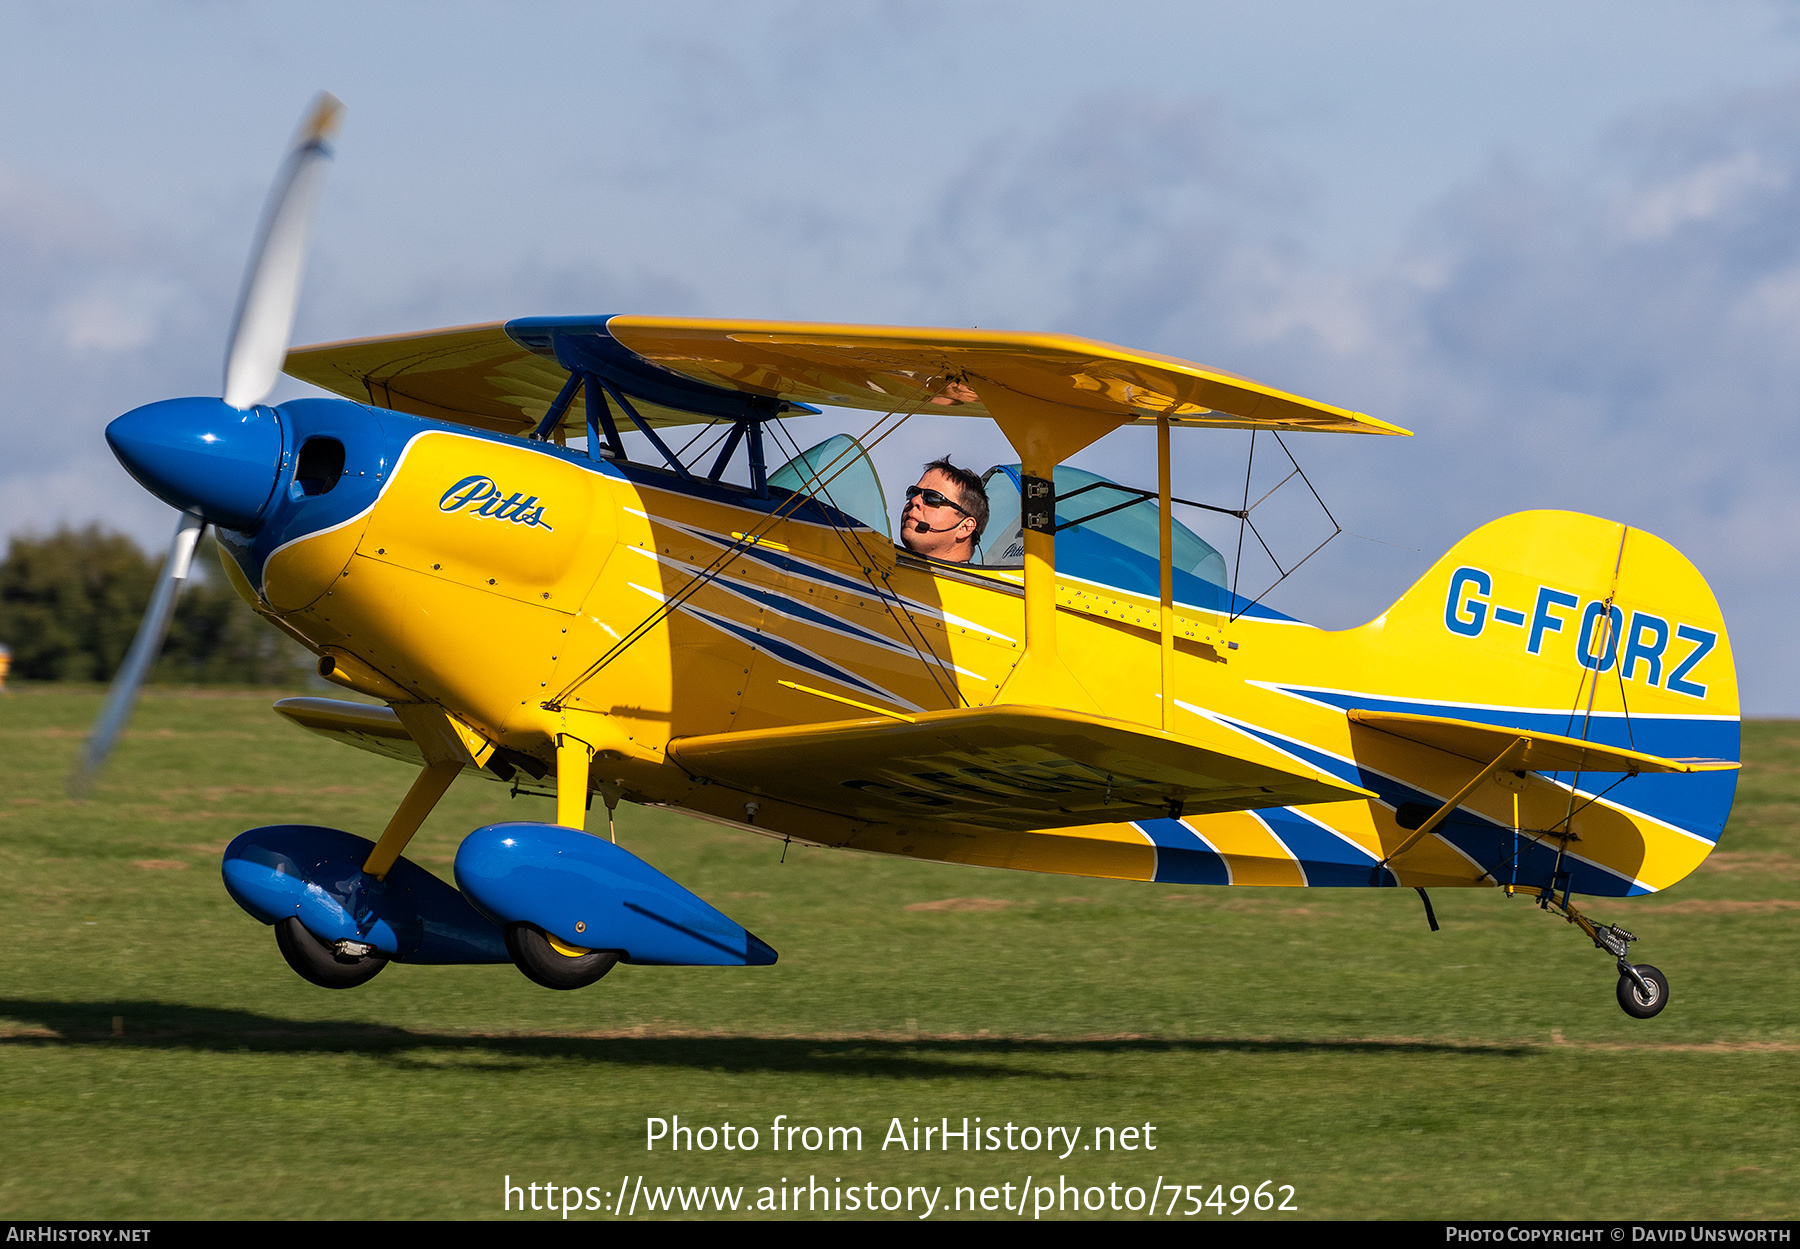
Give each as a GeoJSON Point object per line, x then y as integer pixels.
{"type": "Point", "coordinates": [1607, 643]}
{"type": "Point", "coordinates": [889, 599]}
{"type": "Point", "coordinates": [706, 575]}
{"type": "Point", "coordinates": [698, 436]}
{"type": "Point", "coordinates": [1244, 522]}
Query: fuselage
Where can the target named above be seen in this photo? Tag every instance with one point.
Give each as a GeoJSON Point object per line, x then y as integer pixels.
{"type": "Point", "coordinates": [530, 590]}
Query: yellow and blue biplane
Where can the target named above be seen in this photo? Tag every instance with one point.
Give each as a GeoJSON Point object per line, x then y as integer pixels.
{"type": "Point", "coordinates": [1551, 710]}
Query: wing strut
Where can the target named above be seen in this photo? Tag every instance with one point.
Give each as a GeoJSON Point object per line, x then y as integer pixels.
{"type": "Point", "coordinates": [600, 417]}
{"type": "Point", "coordinates": [1044, 434]}
{"type": "Point", "coordinates": [643, 428]}
{"type": "Point", "coordinates": [1513, 751]}
{"type": "Point", "coordinates": [1165, 554]}
{"type": "Point", "coordinates": [553, 415]}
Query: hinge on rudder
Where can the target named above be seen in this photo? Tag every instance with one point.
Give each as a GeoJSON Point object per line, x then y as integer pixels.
{"type": "Point", "coordinates": [1038, 504]}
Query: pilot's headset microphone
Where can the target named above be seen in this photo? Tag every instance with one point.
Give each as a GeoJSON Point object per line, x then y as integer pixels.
{"type": "Point", "coordinates": [919, 526]}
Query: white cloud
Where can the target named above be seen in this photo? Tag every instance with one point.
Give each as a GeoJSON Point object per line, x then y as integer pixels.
{"type": "Point", "coordinates": [1621, 342]}
{"type": "Point", "coordinates": [1700, 194]}
{"type": "Point", "coordinates": [122, 316]}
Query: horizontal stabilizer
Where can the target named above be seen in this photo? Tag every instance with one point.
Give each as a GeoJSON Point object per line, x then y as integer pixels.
{"type": "Point", "coordinates": [1544, 752]}
{"type": "Point", "coordinates": [1008, 768]}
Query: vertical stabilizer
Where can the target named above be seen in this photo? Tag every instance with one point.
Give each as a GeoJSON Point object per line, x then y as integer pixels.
{"type": "Point", "coordinates": [1566, 624]}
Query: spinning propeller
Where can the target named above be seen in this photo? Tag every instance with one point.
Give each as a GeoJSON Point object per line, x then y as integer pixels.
{"type": "Point", "coordinates": [152, 441]}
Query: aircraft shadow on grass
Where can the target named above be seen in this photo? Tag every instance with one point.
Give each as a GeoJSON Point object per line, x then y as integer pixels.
{"type": "Point", "coordinates": [170, 1026]}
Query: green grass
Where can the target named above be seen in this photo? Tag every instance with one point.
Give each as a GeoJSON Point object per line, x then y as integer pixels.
{"type": "Point", "coordinates": [1323, 1039]}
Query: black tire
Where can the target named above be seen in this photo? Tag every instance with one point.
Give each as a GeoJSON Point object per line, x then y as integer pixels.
{"type": "Point", "coordinates": [313, 960]}
{"type": "Point", "coordinates": [533, 954]}
{"type": "Point", "coordinates": [1632, 1000]}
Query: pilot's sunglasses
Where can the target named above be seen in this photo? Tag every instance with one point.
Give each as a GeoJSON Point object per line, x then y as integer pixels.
{"type": "Point", "coordinates": [932, 499]}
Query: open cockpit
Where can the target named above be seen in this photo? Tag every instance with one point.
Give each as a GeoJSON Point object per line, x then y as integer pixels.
{"type": "Point", "coordinates": [1106, 532]}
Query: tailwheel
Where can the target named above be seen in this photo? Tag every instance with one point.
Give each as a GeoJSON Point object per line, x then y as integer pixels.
{"type": "Point", "coordinates": [1644, 993]}
{"type": "Point", "coordinates": [341, 966]}
{"type": "Point", "coordinates": [1643, 990]}
{"type": "Point", "coordinates": [553, 963]}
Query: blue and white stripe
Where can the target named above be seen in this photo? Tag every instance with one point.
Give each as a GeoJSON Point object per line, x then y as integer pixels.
{"type": "Point", "coordinates": [1492, 846]}
{"type": "Point", "coordinates": [782, 649]}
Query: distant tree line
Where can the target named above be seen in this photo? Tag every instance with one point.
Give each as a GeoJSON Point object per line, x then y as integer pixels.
{"type": "Point", "coordinates": [70, 604]}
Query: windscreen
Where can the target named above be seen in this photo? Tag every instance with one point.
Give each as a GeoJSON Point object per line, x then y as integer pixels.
{"type": "Point", "coordinates": [839, 473]}
{"type": "Point", "coordinates": [1132, 527]}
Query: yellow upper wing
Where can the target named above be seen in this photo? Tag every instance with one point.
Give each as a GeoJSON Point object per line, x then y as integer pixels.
{"type": "Point", "coordinates": [480, 375]}
{"type": "Point", "coordinates": [469, 375]}
{"type": "Point", "coordinates": [944, 370]}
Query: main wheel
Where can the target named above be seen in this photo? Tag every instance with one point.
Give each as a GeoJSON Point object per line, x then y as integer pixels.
{"type": "Point", "coordinates": [1632, 999]}
{"type": "Point", "coordinates": [318, 962]}
{"type": "Point", "coordinates": [551, 963]}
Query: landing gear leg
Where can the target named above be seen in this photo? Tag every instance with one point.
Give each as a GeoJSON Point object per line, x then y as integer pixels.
{"type": "Point", "coordinates": [573, 759]}
{"type": "Point", "coordinates": [427, 788]}
{"type": "Point", "coordinates": [344, 964]}
{"type": "Point", "coordinates": [1643, 990]}
{"type": "Point", "coordinates": [539, 954]}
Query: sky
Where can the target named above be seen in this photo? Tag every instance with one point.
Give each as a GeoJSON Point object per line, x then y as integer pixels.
{"type": "Point", "coordinates": [1560, 243]}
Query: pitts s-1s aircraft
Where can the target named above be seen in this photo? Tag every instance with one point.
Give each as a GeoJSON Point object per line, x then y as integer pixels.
{"type": "Point", "coordinates": [1551, 710]}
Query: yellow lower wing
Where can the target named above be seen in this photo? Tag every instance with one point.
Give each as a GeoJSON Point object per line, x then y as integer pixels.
{"type": "Point", "coordinates": [374, 729]}
{"type": "Point", "coordinates": [1006, 768]}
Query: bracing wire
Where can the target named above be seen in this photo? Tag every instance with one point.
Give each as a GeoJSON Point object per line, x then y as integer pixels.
{"type": "Point", "coordinates": [698, 436]}
{"type": "Point", "coordinates": [1592, 799]}
{"type": "Point", "coordinates": [1244, 522]}
{"type": "Point", "coordinates": [1608, 644]}
{"type": "Point", "coordinates": [902, 619]}
{"type": "Point", "coordinates": [706, 575]}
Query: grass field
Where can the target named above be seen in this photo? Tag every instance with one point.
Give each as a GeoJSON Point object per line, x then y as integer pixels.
{"type": "Point", "coordinates": [159, 1060]}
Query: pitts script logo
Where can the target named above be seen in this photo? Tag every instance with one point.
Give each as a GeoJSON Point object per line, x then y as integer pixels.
{"type": "Point", "coordinates": [484, 498]}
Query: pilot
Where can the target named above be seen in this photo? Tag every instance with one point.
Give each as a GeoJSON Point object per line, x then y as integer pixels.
{"type": "Point", "coordinates": [945, 513]}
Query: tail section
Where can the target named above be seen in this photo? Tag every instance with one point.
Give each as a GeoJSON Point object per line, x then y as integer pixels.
{"type": "Point", "coordinates": [1562, 624]}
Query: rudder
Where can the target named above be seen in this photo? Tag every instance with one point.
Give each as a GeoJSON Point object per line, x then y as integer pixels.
{"type": "Point", "coordinates": [1568, 624]}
